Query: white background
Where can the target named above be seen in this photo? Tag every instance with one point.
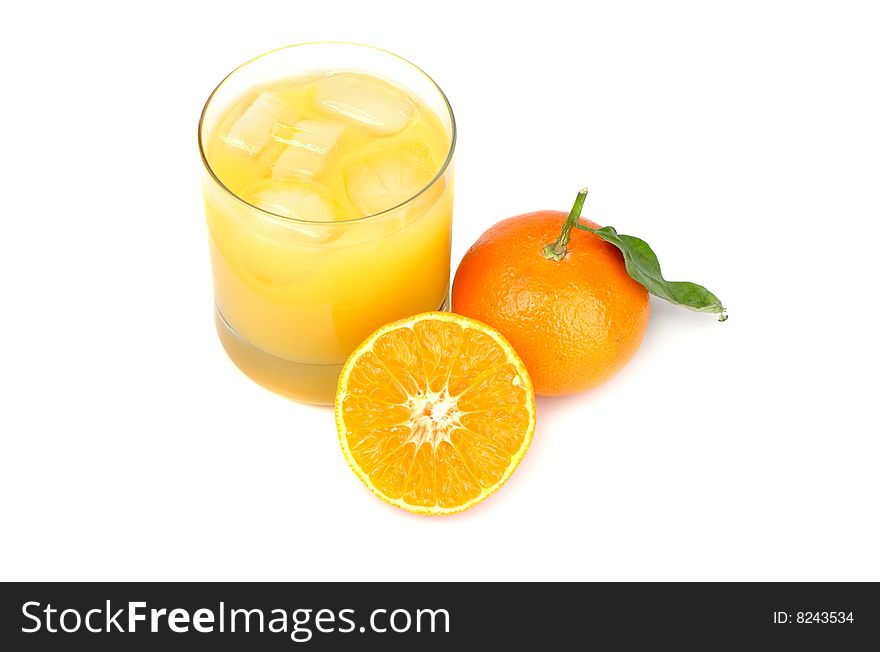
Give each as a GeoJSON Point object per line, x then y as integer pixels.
{"type": "Point", "coordinates": [742, 140]}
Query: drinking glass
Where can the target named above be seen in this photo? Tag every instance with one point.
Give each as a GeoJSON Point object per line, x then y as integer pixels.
{"type": "Point", "coordinates": [293, 298]}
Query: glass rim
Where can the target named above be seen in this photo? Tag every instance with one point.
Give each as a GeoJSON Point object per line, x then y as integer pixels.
{"type": "Point", "coordinates": [428, 186]}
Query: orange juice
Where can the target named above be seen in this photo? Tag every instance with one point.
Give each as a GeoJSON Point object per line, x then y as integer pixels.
{"type": "Point", "coordinates": [329, 207]}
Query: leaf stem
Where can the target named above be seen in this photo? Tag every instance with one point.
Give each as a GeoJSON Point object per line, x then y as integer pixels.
{"type": "Point", "coordinates": [557, 250]}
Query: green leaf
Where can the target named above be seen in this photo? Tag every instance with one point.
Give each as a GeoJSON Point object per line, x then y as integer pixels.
{"type": "Point", "coordinates": [643, 266]}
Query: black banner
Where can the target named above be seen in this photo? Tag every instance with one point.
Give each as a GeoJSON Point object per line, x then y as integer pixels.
{"type": "Point", "coordinates": [435, 616]}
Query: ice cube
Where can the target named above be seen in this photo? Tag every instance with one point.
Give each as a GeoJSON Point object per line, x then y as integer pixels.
{"type": "Point", "coordinates": [387, 173]}
{"type": "Point", "coordinates": [308, 143]}
{"type": "Point", "coordinates": [300, 201]}
{"type": "Point", "coordinates": [253, 128]}
{"type": "Point", "coordinates": [367, 101]}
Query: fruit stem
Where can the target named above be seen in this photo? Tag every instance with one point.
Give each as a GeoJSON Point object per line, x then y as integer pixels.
{"type": "Point", "coordinates": [557, 250]}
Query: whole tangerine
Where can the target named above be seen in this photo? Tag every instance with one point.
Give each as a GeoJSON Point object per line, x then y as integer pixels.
{"type": "Point", "coordinates": [561, 296]}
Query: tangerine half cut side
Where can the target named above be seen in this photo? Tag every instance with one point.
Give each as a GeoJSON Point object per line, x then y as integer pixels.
{"type": "Point", "coordinates": [434, 412]}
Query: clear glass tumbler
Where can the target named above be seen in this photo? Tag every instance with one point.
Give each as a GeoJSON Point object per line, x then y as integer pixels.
{"type": "Point", "coordinates": [294, 297]}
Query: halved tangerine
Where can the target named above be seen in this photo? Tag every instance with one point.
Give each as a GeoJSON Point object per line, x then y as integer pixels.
{"type": "Point", "coordinates": [434, 412]}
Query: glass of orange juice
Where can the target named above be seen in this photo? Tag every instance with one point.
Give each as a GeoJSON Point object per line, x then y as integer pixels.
{"type": "Point", "coordinates": [328, 197]}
